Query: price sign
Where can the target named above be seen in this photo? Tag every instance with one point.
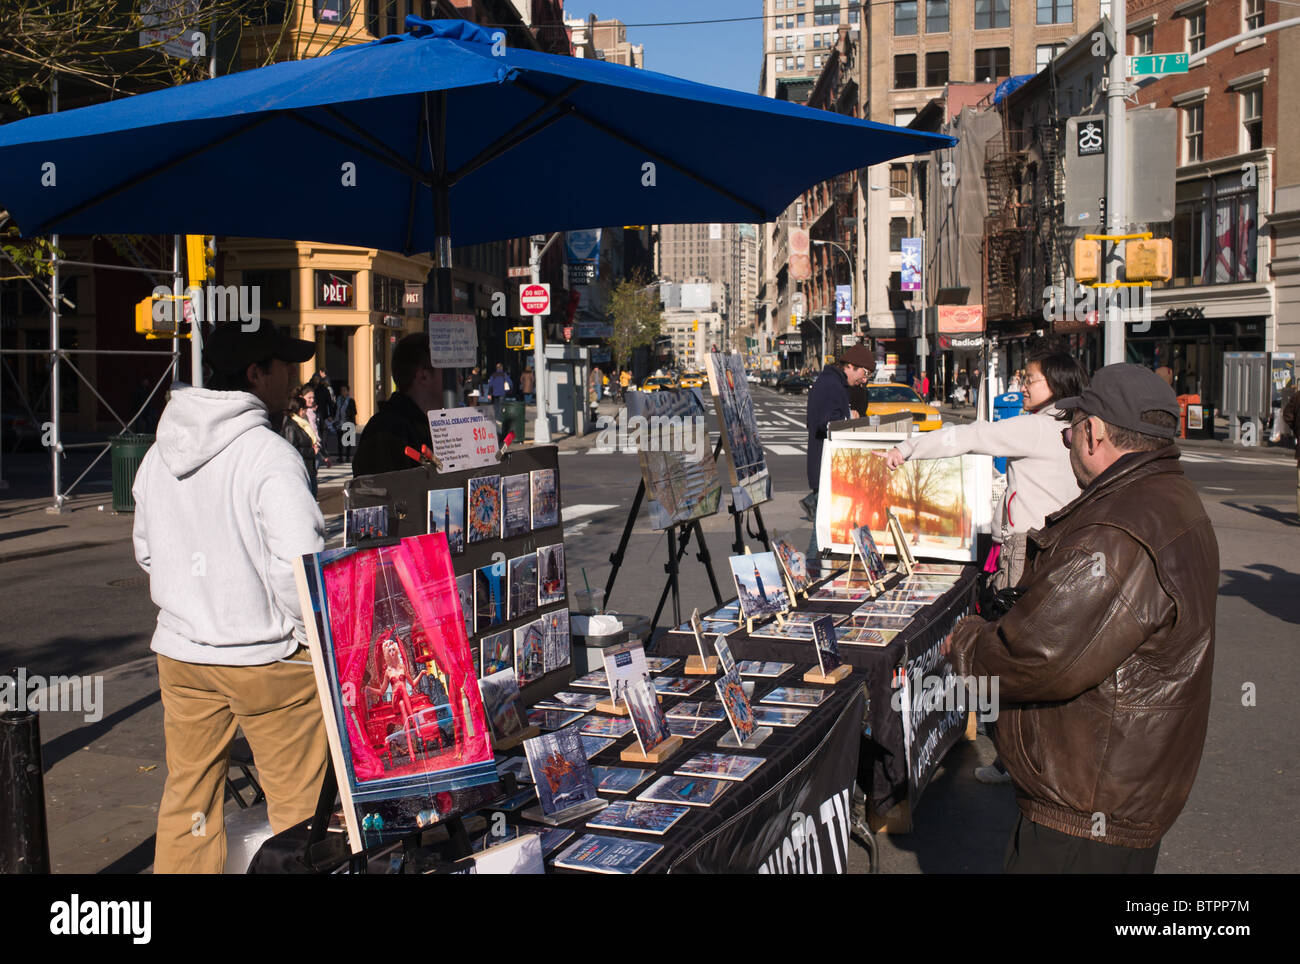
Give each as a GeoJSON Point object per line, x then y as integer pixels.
{"type": "Point", "coordinates": [463, 438]}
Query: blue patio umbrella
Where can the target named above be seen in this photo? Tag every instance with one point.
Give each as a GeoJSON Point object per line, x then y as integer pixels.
{"type": "Point", "coordinates": [443, 132]}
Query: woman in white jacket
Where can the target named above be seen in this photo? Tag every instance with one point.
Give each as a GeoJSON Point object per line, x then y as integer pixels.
{"type": "Point", "coordinates": [1039, 477]}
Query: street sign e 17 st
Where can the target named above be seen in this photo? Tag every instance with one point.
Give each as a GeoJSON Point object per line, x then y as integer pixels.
{"type": "Point", "coordinates": [1148, 64]}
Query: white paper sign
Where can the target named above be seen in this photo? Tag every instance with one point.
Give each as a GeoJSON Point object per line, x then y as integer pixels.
{"type": "Point", "coordinates": [453, 341]}
{"type": "Point", "coordinates": [463, 438]}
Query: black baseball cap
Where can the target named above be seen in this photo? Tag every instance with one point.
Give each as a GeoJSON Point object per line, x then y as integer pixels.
{"type": "Point", "coordinates": [1119, 394]}
{"type": "Point", "coordinates": [230, 348]}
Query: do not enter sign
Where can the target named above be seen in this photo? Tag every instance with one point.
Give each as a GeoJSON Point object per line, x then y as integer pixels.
{"type": "Point", "coordinates": [535, 299]}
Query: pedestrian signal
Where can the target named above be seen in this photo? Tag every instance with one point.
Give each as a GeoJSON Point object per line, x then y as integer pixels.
{"type": "Point", "coordinates": [519, 339]}
{"type": "Point", "coordinates": [200, 258]}
{"type": "Point", "coordinates": [1087, 261]}
{"type": "Point", "coordinates": [1149, 260]}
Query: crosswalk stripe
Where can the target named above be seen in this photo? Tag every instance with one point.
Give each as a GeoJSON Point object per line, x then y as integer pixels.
{"type": "Point", "coordinates": [785, 450]}
{"type": "Point", "coordinates": [572, 512]}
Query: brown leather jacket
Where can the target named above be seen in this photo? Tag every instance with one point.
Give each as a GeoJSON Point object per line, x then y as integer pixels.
{"type": "Point", "coordinates": [1104, 664]}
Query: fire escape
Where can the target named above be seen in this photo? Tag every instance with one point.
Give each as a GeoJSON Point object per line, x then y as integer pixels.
{"type": "Point", "coordinates": [1004, 230]}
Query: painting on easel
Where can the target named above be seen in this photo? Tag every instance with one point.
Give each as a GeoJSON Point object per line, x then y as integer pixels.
{"type": "Point", "coordinates": [751, 483]}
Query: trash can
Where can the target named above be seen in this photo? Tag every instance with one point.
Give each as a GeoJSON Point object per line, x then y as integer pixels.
{"type": "Point", "coordinates": [513, 418]}
{"type": "Point", "coordinates": [1006, 406]}
{"type": "Point", "coordinates": [126, 452]}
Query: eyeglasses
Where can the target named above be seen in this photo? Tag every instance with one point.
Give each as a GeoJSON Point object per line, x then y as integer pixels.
{"type": "Point", "coordinates": [1067, 433]}
{"type": "Point", "coordinates": [1034, 381]}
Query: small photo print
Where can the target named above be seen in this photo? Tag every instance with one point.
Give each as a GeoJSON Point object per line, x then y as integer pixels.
{"type": "Point", "coordinates": [498, 654]}
{"type": "Point", "coordinates": [516, 508]}
{"type": "Point", "coordinates": [363, 526]}
{"type": "Point", "coordinates": [465, 590]}
{"type": "Point", "coordinates": [447, 515]}
{"type": "Point", "coordinates": [484, 518]}
{"type": "Point", "coordinates": [523, 585]}
{"type": "Point", "coordinates": [551, 583]}
{"type": "Point", "coordinates": [546, 498]}
{"type": "Point", "coordinates": [530, 653]}
{"type": "Point", "coordinates": [490, 596]}
{"type": "Point", "coordinates": [557, 643]}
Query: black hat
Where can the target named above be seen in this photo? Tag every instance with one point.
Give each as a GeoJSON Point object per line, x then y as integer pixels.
{"type": "Point", "coordinates": [231, 348]}
{"type": "Point", "coordinates": [1119, 394]}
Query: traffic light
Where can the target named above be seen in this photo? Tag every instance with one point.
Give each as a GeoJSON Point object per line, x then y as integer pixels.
{"type": "Point", "coordinates": [794, 322]}
{"type": "Point", "coordinates": [695, 325]}
{"type": "Point", "coordinates": [1149, 260]}
{"type": "Point", "coordinates": [519, 339]}
{"type": "Point", "coordinates": [200, 259]}
{"type": "Point", "coordinates": [154, 316]}
{"type": "Point", "coordinates": [1087, 261]}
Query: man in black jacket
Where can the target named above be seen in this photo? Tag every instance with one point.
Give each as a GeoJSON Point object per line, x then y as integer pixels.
{"type": "Point", "coordinates": [828, 401]}
{"type": "Point", "coordinates": [403, 420]}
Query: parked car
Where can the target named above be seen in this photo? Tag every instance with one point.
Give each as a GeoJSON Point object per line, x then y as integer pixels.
{"type": "Point", "coordinates": [655, 382]}
{"type": "Point", "coordinates": [887, 398]}
{"type": "Point", "coordinates": [796, 384]}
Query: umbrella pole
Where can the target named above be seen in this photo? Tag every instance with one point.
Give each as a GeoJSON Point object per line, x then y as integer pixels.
{"type": "Point", "coordinates": [442, 235]}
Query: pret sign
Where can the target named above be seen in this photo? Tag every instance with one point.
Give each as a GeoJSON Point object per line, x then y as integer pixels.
{"type": "Point", "coordinates": [335, 289]}
{"type": "Point", "coordinates": [535, 299]}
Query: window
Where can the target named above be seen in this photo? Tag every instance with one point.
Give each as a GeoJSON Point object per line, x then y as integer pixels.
{"type": "Point", "coordinates": [372, 18]}
{"type": "Point", "coordinates": [936, 16]}
{"type": "Point", "coordinates": [392, 17]}
{"type": "Point", "coordinates": [1193, 133]}
{"type": "Point", "coordinates": [1143, 41]}
{"type": "Point", "coordinates": [789, 22]}
{"type": "Point", "coordinates": [992, 13]}
{"type": "Point", "coordinates": [1216, 234]}
{"type": "Point", "coordinates": [817, 62]}
{"type": "Point", "coordinates": [799, 20]}
{"type": "Point", "coordinates": [780, 4]}
{"type": "Point", "coordinates": [800, 63]}
{"type": "Point", "coordinates": [897, 232]}
{"type": "Point", "coordinates": [780, 43]}
{"type": "Point", "coordinates": [905, 19]}
{"type": "Point", "coordinates": [800, 41]}
{"type": "Point", "coordinates": [789, 63]}
{"type": "Point", "coordinates": [274, 288]}
{"type": "Point", "coordinates": [904, 71]}
{"type": "Point", "coordinates": [333, 12]}
{"type": "Point", "coordinates": [1055, 11]}
{"type": "Point", "coordinates": [1196, 31]}
{"type": "Point", "coordinates": [1252, 13]}
{"type": "Point", "coordinates": [992, 63]}
{"type": "Point", "coordinates": [936, 69]}
{"type": "Point", "coordinates": [1252, 119]}
{"type": "Point", "coordinates": [897, 179]}
{"type": "Point", "coordinates": [904, 117]}
{"type": "Point", "coordinates": [817, 40]}
{"type": "Point", "coordinates": [853, 15]}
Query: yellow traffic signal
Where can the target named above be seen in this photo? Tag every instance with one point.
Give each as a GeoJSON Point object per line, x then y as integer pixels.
{"type": "Point", "coordinates": [200, 259]}
{"type": "Point", "coordinates": [1087, 261]}
{"type": "Point", "coordinates": [695, 325]}
{"type": "Point", "coordinates": [1149, 260]}
{"type": "Point", "coordinates": [154, 317]}
{"type": "Point", "coordinates": [794, 322]}
{"type": "Point", "coordinates": [519, 339]}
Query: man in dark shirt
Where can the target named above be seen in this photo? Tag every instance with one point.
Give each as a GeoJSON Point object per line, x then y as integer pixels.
{"type": "Point", "coordinates": [402, 420]}
{"type": "Point", "coordinates": [828, 401]}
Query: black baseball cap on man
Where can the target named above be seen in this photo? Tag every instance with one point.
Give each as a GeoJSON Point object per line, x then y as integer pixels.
{"type": "Point", "coordinates": [230, 349]}
{"type": "Point", "coordinates": [1119, 394]}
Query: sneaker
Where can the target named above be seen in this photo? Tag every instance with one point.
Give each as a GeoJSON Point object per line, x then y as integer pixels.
{"type": "Point", "coordinates": [991, 774]}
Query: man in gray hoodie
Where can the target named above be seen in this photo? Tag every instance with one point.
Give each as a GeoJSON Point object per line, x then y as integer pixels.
{"type": "Point", "coordinates": [223, 507]}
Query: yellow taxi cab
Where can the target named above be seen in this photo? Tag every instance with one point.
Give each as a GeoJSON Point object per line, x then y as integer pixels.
{"type": "Point", "coordinates": [692, 380]}
{"type": "Point", "coordinates": [888, 398]}
{"type": "Point", "coordinates": [656, 382]}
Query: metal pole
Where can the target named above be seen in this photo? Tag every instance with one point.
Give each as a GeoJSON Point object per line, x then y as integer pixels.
{"type": "Point", "coordinates": [176, 290]}
{"type": "Point", "coordinates": [24, 842]}
{"type": "Point", "coordinates": [55, 447]}
{"type": "Point", "coordinates": [542, 420]}
{"type": "Point", "coordinates": [1116, 174]}
{"type": "Point", "coordinates": [925, 344]}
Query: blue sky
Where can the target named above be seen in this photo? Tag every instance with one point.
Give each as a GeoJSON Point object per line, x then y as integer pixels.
{"type": "Point", "coordinates": [725, 54]}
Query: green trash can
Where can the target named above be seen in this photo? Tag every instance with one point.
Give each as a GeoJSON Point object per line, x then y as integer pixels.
{"type": "Point", "coordinates": [513, 418]}
{"type": "Point", "coordinates": [126, 453]}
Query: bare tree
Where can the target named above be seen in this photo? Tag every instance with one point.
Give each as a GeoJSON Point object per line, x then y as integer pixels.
{"type": "Point", "coordinates": [634, 315]}
{"type": "Point", "coordinates": [920, 482]}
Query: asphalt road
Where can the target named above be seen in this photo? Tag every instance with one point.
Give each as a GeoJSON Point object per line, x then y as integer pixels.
{"type": "Point", "coordinates": [87, 610]}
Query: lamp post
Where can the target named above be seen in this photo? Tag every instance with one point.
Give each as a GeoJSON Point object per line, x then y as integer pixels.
{"type": "Point", "coordinates": [925, 347]}
{"type": "Point", "coordinates": [849, 261]}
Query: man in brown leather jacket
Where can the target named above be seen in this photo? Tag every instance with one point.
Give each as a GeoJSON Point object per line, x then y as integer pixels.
{"type": "Point", "coordinates": [1104, 664]}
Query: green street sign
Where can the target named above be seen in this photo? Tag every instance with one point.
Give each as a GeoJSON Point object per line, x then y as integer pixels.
{"type": "Point", "coordinates": [1157, 64]}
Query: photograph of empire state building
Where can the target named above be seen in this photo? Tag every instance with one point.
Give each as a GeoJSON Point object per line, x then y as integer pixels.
{"type": "Point", "coordinates": [758, 585]}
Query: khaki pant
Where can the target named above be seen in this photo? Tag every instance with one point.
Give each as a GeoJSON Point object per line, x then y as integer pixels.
{"type": "Point", "coordinates": [277, 707]}
{"type": "Point", "coordinates": [1011, 562]}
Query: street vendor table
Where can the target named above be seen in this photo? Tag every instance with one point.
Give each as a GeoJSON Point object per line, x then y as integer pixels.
{"type": "Point", "coordinates": [790, 816]}
{"type": "Point", "coordinates": [887, 774]}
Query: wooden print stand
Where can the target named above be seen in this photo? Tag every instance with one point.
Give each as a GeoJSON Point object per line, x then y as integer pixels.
{"type": "Point", "coordinates": [755, 740]}
{"type": "Point", "coordinates": [609, 706]}
{"type": "Point", "coordinates": [656, 756]}
{"type": "Point", "coordinates": [700, 667]}
{"type": "Point", "coordinates": [839, 674]}
{"type": "Point", "coordinates": [905, 560]}
{"type": "Point", "coordinates": [509, 743]}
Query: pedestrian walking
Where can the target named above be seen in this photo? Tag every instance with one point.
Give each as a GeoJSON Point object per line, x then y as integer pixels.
{"type": "Point", "coordinates": [1104, 663]}
{"type": "Point", "coordinates": [828, 401]}
{"type": "Point", "coordinates": [499, 385]}
{"type": "Point", "coordinates": [347, 422]}
{"type": "Point", "coordinates": [526, 385]}
{"type": "Point", "coordinates": [223, 509]}
{"type": "Point", "coordinates": [294, 428]}
{"type": "Point", "coordinates": [1291, 415]}
{"type": "Point", "coordinates": [1040, 479]}
{"type": "Point", "coordinates": [403, 420]}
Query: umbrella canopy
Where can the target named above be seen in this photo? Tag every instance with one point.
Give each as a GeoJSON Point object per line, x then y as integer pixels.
{"type": "Point", "coordinates": [441, 130]}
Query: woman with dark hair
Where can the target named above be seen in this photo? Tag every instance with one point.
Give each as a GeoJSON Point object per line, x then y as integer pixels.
{"type": "Point", "coordinates": [1039, 477]}
{"type": "Point", "coordinates": [295, 428]}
